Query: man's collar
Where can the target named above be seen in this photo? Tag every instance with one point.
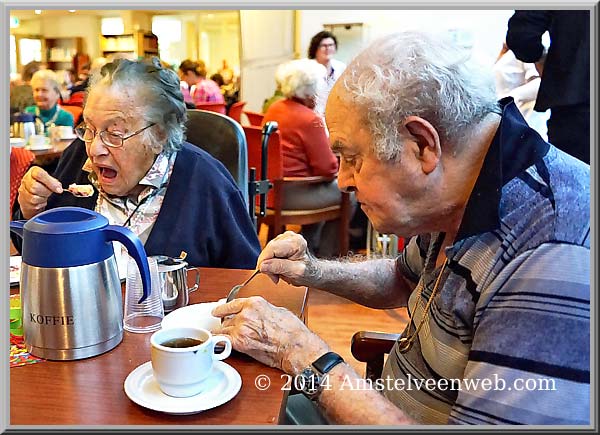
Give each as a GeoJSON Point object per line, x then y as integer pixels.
{"type": "Point", "coordinates": [514, 148]}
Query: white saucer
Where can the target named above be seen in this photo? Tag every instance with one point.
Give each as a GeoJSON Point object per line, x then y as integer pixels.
{"type": "Point", "coordinates": [39, 147]}
{"type": "Point", "coordinates": [196, 315]}
{"type": "Point", "coordinates": [69, 137]}
{"type": "Point", "coordinates": [223, 385]}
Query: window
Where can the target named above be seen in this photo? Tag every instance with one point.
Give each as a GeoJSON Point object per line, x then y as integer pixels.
{"type": "Point", "coordinates": [30, 49]}
{"type": "Point", "coordinates": [112, 26]}
{"type": "Point", "coordinates": [168, 31]}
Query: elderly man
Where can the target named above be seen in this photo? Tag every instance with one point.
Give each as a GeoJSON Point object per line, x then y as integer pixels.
{"type": "Point", "coordinates": [496, 273]}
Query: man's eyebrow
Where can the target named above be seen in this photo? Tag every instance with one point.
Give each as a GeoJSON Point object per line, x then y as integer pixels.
{"type": "Point", "coordinates": [337, 146]}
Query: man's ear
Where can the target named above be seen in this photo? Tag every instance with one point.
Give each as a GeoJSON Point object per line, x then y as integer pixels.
{"type": "Point", "coordinates": [427, 139]}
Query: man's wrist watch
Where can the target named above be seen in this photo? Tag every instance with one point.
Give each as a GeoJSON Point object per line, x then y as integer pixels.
{"type": "Point", "coordinates": [312, 379]}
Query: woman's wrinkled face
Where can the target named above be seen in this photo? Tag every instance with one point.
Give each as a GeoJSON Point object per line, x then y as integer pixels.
{"type": "Point", "coordinates": [44, 93]}
{"type": "Point", "coordinates": [119, 170]}
{"type": "Point", "coordinates": [325, 51]}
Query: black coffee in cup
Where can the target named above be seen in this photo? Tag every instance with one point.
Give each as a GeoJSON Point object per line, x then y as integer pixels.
{"type": "Point", "coordinates": [182, 342]}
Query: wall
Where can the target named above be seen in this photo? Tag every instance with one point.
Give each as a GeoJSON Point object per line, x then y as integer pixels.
{"type": "Point", "coordinates": [85, 26]}
{"type": "Point", "coordinates": [485, 30]}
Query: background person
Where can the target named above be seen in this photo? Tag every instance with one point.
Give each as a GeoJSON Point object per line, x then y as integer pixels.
{"type": "Point", "coordinates": [322, 48]}
{"type": "Point", "coordinates": [174, 196]}
{"type": "Point", "coordinates": [46, 93]}
{"type": "Point", "coordinates": [565, 72]}
{"type": "Point", "coordinates": [306, 149]}
{"type": "Point", "coordinates": [21, 95]}
{"type": "Point", "coordinates": [521, 81]}
{"type": "Point", "coordinates": [498, 257]}
{"type": "Point", "coordinates": [201, 89]}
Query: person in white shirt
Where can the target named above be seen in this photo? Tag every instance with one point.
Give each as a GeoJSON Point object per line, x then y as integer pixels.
{"type": "Point", "coordinates": [322, 48]}
{"type": "Point", "coordinates": [521, 81]}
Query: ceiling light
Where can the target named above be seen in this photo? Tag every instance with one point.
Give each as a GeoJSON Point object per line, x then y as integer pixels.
{"type": "Point", "coordinates": [37, 12]}
{"type": "Point", "coordinates": [72, 10]}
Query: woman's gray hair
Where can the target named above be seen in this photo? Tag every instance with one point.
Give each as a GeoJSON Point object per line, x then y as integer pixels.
{"type": "Point", "coordinates": [158, 88]}
{"type": "Point", "coordinates": [301, 78]}
{"type": "Point", "coordinates": [48, 76]}
{"type": "Point", "coordinates": [413, 73]}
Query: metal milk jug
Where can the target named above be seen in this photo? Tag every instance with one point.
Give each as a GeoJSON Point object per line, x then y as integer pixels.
{"type": "Point", "coordinates": [70, 289]}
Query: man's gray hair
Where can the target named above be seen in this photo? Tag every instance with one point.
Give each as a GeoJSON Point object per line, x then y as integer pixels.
{"type": "Point", "coordinates": [413, 73]}
{"type": "Point", "coordinates": [301, 78]}
{"type": "Point", "coordinates": [159, 90]}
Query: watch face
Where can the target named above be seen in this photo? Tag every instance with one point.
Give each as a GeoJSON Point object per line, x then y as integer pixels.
{"type": "Point", "coordinates": [310, 382]}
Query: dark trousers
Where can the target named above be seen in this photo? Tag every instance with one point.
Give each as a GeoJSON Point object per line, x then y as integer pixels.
{"type": "Point", "coordinates": [569, 130]}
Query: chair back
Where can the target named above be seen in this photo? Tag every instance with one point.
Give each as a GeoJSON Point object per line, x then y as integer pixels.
{"type": "Point", "coordinates": [212, 107]}
{"type": "Point", "coordinates": [76, 99]}
{"type": "Point", "coordinates": [224, 139]}
{"type": "Point", "coordinates": [76, 111]}
{"type": "Point", "coordinates": [235, 111]}
{"type": "Point", "coordinates": [254, 118]}
{"type": "Point", "coordinates": [274, 155]}
{"type": "Point", "coordinates": [20, 161]}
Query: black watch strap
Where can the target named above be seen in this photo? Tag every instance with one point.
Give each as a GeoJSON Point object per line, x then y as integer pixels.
{"type": "Point", "coordinates": [326, 362]}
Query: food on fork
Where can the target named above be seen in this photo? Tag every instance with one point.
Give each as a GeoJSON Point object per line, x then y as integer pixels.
{"type": "Point", "coordinates": [83, 190]}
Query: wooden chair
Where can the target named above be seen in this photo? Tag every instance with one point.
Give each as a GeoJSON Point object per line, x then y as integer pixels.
{"type": "Point", "coordinates": [235, 111]}
{"type": "Point", "coordinates": [276, 218]}
{"type": "Point", "coordinates": [76, 111]}
{"type": "Point", "coordinates": [371, 347]}
{"type": "Point", "coordinates": [212, 107]}
{"type": "Point", "coordinates": [254, 118]}
{"type": "Point", "coordinates": [224, 139]}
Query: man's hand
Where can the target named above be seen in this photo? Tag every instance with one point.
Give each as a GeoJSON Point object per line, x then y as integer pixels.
{"type": "Point", "coordinates": [286, 257]}
{"type": "Point", "coordinates": [36, 186]}
{"type": "Point", "coordinates": [270, 334]}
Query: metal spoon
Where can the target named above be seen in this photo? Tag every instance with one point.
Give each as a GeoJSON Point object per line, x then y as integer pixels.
{"type": "Point", "coordinates": [236, 288]}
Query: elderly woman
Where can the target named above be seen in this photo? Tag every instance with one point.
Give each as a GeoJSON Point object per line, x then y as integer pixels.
{"type": "Point", "coordinates": [305, 147]}
{"type": "Point", "coordinates": [46, 93]}
{"type": "Point", "coordinates": [173, 195]}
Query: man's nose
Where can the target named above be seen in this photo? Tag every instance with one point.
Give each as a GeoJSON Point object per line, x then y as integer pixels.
{"type": "Point", "coordinates": [346, 180]}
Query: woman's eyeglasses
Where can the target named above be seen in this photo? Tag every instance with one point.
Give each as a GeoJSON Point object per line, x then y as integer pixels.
{"type": "Point", "coordinates": [109, 139]}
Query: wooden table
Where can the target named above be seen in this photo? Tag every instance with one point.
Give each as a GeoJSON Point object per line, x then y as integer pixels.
{"type": "Point", "coordinates": [90, 391]}
{"type": "Point", "coordinates": [44, 157]}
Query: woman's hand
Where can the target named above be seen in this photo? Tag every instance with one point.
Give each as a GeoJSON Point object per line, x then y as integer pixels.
{"type": "Point", "coordinates": [36, 186]}
{"type": "Point", "coordinates": [270, 334]}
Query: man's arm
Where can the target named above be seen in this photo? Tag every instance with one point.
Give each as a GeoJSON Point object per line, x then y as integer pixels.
{"type": "Point", "coordinates": [276, 337]}
{"type": "Point", "coordinates": [524, 35]}
{"type": "Point", "coordinates": [374, 283]}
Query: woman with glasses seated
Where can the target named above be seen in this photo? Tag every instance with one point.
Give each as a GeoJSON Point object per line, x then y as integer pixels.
{"type": "Point", "coordinates": [132, 150]}
{"type": "Point", "coordinates": [46, 94]}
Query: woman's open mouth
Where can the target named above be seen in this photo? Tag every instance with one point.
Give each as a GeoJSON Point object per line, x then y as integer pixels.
{"type": "Point", "coordinates": [107, 174]}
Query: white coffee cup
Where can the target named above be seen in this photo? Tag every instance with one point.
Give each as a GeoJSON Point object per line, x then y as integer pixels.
{"type": "Point", "coordinates": [65, 131]}
{"type": "Point", "coordinates": [37, 140]}
{"type": "Point", "coordinates": [182, 371]}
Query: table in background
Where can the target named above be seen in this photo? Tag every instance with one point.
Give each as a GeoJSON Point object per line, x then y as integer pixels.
{"type": "Point", "coordinates": [46, 157]}
{"type": "Point", "coordinates": [90, 391]}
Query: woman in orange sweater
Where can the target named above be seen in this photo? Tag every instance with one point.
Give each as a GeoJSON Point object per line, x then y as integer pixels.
{"type": "Point", "coordinates": [306, 150]}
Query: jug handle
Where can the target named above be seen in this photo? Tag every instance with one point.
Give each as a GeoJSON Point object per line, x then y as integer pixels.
{"type": "Point", "coordinates": [195, 287]}
{"type": "Point", "coordinates": [17, 227]}
{"type": "Point", "coordinates": [136, 250]}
